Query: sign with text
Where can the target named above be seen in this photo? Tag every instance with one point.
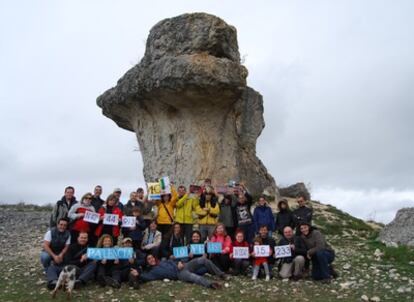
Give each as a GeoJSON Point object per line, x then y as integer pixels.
{"type": "Point", "coordinates": [194, 189]}
{"type": "Point", "coordinates": [261, 251]}
{"type": "Point", "coordinates": [110, 253]}
{"type": "Point", "coordinates": [197, 249]}
{"type": "Point", "coordinates": [154, 190]}
{"type": "Point", "coordinates": [214, 247]}
{"type": "Point", "coordinates": [283, 251]}
{"type": "Point", "coordinates": [240, 252]}
{"type": "Point", "coordinates": [222, 189]}
{"type": "Point", "coordinates": [128, 221]}
{"type": "Point", "coordinates": [111, 219]}
{"type": "Point", "coordinates": [180, 252]}
{"type": "Point", "coordinates": [91, 217]}
{"type": "Point", "coordinates": [165, 185]}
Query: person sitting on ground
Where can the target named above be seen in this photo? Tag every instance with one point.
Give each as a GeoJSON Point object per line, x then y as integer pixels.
{"type": "Point", "coordinates": [76, 214]}
{"type": "Point", "coordinates": [263, 215]}
{"type": "Point", "coordinates": [292, 266]}
{"type": "Point", "coordinates": [243, 212]}
{"type": "Point", "coordinates": [168, 269]}
{"type": "Point", "coordinates": [127, 270]}
{"type": "Point", "coordinates": [55, 244]}
{"type": "Point", "coordinates": [240, 265]}
{"type": "Point", "coordinates": [302, 213]}
{"type": "Point", "coordinates": [166, 208]}
{"type": "Point", "coordinates": [109, 208]}
{"type": "Point", "coordinates": [284, 217]}
{"type": "Point", "coordinates": [207, 211]}
{"type": "Point", "coordinates": [62, 206]}
{"type": "Point", "coordinates": [107, 271]}
{"type": "Point", "coordinates": [228, 214]}
{"type": "Point", "coordinates": [174, 238]}
{"type": "Point", "coordinates": [76, 255]}
{"type": "Point", "coordinates": [185, 207]}
{"type": "Point", "coordinates": [97, 201]}
{"type": "Point", "coordinates": [136, 232]}
{"type": "Point", "coordinates": [259, 261]}
{"type": "Point", "coordinates": [152, 240]}
{"type": "Point", "coordinates": [196, 239]}
{"type": "Point", "coordinates": [319, 252]}
{"type": "Point", "coordinates": [219, 235]}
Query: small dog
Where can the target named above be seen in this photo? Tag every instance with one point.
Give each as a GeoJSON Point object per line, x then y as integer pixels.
{"type": "Point", "coordinates": [67, 277]}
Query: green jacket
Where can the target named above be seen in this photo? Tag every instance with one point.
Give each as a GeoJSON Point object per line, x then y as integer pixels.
{"type": "Point", "coordinates": [184, 209]}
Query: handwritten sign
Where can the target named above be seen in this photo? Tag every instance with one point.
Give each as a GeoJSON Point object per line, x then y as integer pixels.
{"type": "Point", "coordinates": [222, 189]}
{"type": "Point", "coordinates": [180, 252]}
{"type": "Point", "coordinates": [261, 250]}
{"type": "Point", "coordinates": [110, 253]}
{"type": "Point", "coordinates": [240, 252]}
{"type": "Point", "coordinates": [283, 251]}
{"type": "Point", "coordinates": [91, 217]}
{"type": "Point", "coordinates": [128, 221]}
{"type": "Point", "coordinates": [111, 219]}
{"type": "Point", "coordinates": [165, 185]}
{"type": "Point", "coordinates": [197, 249]}
{"type": "Point", "coordinates": [214, 247]}
{"type": "Point", "coordinates": [154, 190]}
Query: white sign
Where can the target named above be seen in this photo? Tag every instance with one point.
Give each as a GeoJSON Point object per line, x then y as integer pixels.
{"type": "Point", "coordinates": [111, 219]}
{"type": "Point", "coordinates": [240, 252]}
{"type": "Point", "coordinates": [128, 221]}
{"type": "Point", "coordinates": [261, 251]}
{"type": "Point", "coordinates": [165, 185]}
{"type": "Point", "coordinates": [283, 251]}
{"type": "Point", "coordinates": [91, 217]}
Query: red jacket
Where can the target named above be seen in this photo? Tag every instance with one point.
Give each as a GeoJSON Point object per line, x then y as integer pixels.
{"type": "Point", "coordinates": [115, 228]}
{"type": "Point", "coordinates": [80, 225]}
{"type": "Point", "coordinates": [225, 243]}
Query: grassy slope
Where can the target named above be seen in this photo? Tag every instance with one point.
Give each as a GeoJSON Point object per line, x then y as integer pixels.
{"type": "Point", "coordinates": [353, 239]}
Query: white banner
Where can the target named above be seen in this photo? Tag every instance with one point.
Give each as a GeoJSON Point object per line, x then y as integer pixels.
{"type": "Point", "coordinates": [283, 251]}
{"type": "Point", "coordinates": [128, 221]}
{"type": "Point", "coordinates": [240, 252]}
{"type": "Point", "coordinates": [261, 251]}
{"type": "Point", "coordinates": [111, 219]}
{"type": "Point", "coordinates": [91, 217]}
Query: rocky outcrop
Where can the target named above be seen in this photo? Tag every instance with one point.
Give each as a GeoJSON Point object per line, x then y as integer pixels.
{"type": "Point", "coordinates": [189, 105]}
{"type": "Point", "coordinates": [400, 231]}
{"type": "Point", "coordinates": [293, 191]}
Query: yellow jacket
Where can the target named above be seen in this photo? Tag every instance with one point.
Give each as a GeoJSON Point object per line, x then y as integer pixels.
{"type": "Point", "coordinates": [163, 217]}
{"type": "Point", "coordinates": [184, 209]}
{"type": "Point", "coordinates": [208, 217]}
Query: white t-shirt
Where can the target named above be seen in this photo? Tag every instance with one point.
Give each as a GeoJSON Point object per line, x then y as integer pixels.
{"type": "Point", "coordinates": [48, 237]}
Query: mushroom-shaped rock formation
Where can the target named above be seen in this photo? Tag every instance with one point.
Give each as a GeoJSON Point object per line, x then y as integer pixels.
{"type": "Point", "coordinates": [189, 105]}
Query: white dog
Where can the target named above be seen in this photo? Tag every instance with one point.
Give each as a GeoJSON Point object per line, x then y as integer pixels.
{"type": "Point", "coordinates": [67, 277]}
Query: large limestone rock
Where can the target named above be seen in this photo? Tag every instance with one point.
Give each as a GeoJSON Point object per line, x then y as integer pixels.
{"type": "Point", "coordinates": [401, 230]}
{"type": "Point", "coordinates": [188, 103]}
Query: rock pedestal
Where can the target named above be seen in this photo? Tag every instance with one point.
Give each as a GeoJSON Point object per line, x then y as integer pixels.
{"type": "Point", "coordinates": [400, 231]}
{"type": "Point", "coordinates": [189, 105]}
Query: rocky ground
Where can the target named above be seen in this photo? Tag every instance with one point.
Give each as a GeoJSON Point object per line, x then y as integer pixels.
{"type": "Point", "coordinates": [369, 271]}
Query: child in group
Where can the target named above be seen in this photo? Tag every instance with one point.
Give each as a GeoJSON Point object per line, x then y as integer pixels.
{"type": "Point", "coordinates": [220, 235]}
{"type": "Point", "coordinates": [239, 265]}
{"type": "Point", "coordinates": [259, 261]}
{"type": "Point", "coordinates": [136, 232]}
{"type": "Point", "coordinates": [107, 269]}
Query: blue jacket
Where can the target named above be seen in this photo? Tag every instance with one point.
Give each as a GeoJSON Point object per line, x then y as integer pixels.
{"type": "Point", "coordinates": [166, 269]}
{"type": "Point", "coordinates": [263, 215]}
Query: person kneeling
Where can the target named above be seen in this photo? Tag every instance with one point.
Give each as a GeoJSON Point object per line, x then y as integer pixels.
{"type": "Point", "coordinates": [292, 266]}
{"type": "Point", "coordinates": [319, 252]}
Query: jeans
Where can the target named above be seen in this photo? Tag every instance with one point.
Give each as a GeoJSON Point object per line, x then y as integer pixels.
{"type": "Point", "coordinates": [45, 259]}
{"type": "Point", "coordinates": [188, 273]}
{"type": "Point", "coordinates": [295, 267]}
{"type": "Point", "coordinates": [321, 261]}
{"type": "Point", "coordinates": [256, 270]}
{"type": "Point", "coordinates": [187, 230]}
{"type": "Point", "coordinates": [240, 266]}
{"type": "Point", "coordinates": [206, 230]}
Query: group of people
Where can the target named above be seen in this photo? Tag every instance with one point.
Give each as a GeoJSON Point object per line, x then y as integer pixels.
{"type": "Point", "coordinates": [180, 219]}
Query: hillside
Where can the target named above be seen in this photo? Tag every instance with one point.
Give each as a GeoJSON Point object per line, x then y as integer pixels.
{"type": "Point", "coordinates": [367, 268]}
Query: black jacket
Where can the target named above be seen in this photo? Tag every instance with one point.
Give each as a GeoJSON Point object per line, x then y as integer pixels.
{"type": "Point", "coordinates": [302, 214]}
{"type": "Point", "coordinates": [283, 219]}
{"type": "Point", "coordinates": [74, 255]}
{"type": "Point", "coordinates": [300, 247]}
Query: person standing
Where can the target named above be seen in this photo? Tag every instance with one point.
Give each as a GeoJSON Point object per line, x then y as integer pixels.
{"type": "Point", "coordinates": [109, 207]}
{"type": "Point", "coordinates": [302, 213]}
{"type": "Point", "coordinates": [76, 214]}
{"type": "Point", "coordinates": [263, 215]}
{"type": "Point", "coordinates": [184, 212]}
{"type": "Point", "coordinates": [284, 217]}
{"type": "Point", "coordinates": [166, 208]}
{"type": "Point", "coordinates": [207, 211]}
{"type": "Point", "coordinates": [62, 206]}
{"type": "Point", "coordinates": [228, 214]}
{"type": "Point", "coordinates": [244, 214]}
{"type": "Point", "coordinates": [97, 201]}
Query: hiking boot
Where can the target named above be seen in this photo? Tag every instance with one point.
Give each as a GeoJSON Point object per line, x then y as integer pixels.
{"type": "Point", "coordinates": [215, 285]}
{"type": "Point", "coordinates": [267, 278]}
{"type": "Point", "coordinates": [51, 285]}
{"type": "Point", "coordinates": [112, 282]}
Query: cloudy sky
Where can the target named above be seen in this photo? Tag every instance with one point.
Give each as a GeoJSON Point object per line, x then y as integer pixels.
{"type": "Point", "coordinates": [336, 76]}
